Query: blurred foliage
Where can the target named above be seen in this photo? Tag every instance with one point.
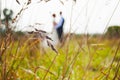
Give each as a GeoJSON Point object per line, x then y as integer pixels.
{"type": "Point", "coordinates": [113, 32]}
{"type": "Point", "coordinates": [7, 15]}
{"type": "Point", "coordinates": [5, 27]}
{"type": "Point", "coordinates": [15, 34]}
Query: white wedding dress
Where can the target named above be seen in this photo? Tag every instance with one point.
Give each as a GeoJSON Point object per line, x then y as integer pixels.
{"type": "Point", "coordinates": [54, 37]}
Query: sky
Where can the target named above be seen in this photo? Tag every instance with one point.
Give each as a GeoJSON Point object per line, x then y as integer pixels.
{"type": "Point", "coordinates": [84, 16]}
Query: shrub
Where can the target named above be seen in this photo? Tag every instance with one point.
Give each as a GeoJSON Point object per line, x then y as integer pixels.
{"type": "Point", "coordinates": [113, 32]}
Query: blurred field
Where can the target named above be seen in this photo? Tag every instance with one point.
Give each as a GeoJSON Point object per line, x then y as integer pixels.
{"type": "Point", "coordinates": [80, 58]}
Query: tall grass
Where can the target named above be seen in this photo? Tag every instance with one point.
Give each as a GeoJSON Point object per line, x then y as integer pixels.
{"type": "Point", "coordinates": [74, 61]}
{"type": "Point", "coordinates": [79, 57]}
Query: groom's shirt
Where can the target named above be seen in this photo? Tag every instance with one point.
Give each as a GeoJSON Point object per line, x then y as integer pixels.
{"type": "Point", "coordinates": [60, 23]}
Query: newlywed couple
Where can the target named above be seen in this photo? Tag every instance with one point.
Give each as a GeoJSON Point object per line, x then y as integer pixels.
{"type": "Point", "coordinates": [58, 28]}
{"type": "Point", "coordinates": [57, 31]}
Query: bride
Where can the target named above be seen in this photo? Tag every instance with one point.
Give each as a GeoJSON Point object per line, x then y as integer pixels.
{"type": "Point", "coordinates": [54, 31]}
{"type": "Point", "coordinates": [53, 35]}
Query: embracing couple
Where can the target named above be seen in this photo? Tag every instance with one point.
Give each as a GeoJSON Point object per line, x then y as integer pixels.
{"type": "Point", "coordinates": [58, 27]}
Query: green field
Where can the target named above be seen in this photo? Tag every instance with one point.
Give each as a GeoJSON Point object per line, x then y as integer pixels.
{"type": "Point", "coordinates": [80, 58]}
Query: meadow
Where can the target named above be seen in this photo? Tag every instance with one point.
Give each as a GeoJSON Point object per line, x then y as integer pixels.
{"type": "Point", "coordinates": [79, 57]}
{"type": "Point", "coordinates": [83, 57]}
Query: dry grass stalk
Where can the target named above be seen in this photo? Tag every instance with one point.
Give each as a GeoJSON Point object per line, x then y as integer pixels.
{"type": "Point", "coordinates": [117, 71]}
{"type": "Point", "coordinates": [43, 35]}
{"type": "Point", "coordinates": [18, 2]}
{"type": "Point", "coordinates": [45, 69]}
{"type": "Point", "coordinates": [18, 14]}
{"type": "Point", "coordinates": [44, 78]}
{"type": "Point", "coordinates": [29, 1]}
{"type": "Point", "coordinates": [116, 52]}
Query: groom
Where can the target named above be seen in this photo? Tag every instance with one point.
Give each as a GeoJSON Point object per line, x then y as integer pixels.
{"type": "Point", "coordinates": [59, 27]}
